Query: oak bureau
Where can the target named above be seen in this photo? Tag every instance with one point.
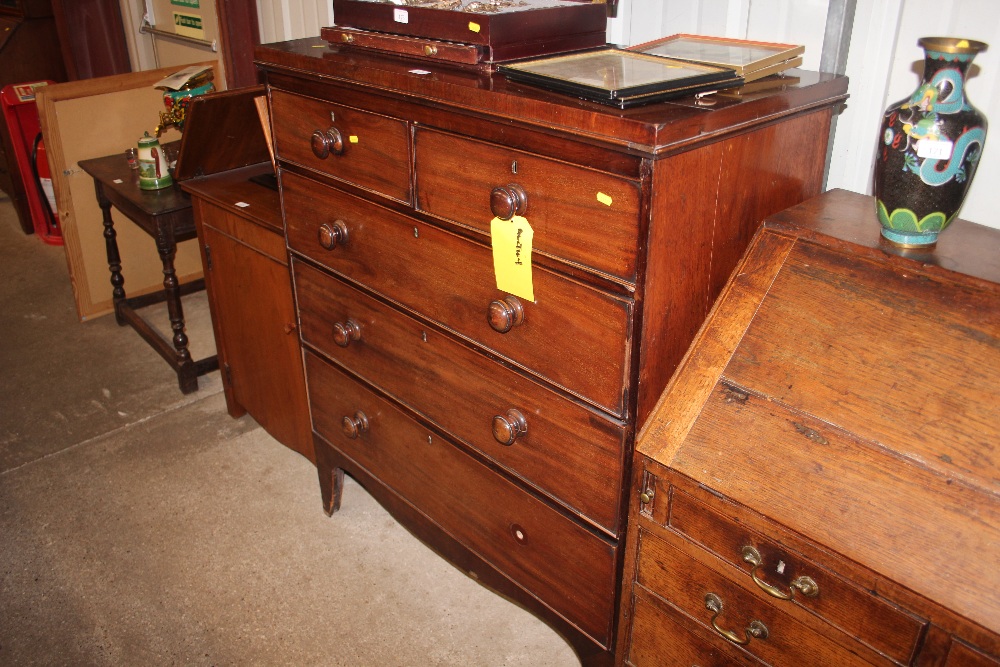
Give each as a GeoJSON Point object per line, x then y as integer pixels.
{"type": "Point", "coordinates": [819, 484]}
{"type": "Point", "coordinates": [500, 429]}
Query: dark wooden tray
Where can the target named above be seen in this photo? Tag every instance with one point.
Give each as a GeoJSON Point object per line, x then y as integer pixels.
{"type": "Point", "coordinates": [526, 29]}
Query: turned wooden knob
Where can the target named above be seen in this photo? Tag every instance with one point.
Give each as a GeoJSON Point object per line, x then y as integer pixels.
{"type": "Point", "coordinates": [354, 426]}
{"type": "Point", "coordinates": [345, 332]}
{"type": "Point", "coordinates": [505, 314]}
{"type": "Point", "coordinates": [332, 235]}
{"type": "Point", "coordinates": [325, 142]}
{"type": "Point", "coordinates": [506, 201]}
{"type": "Point", "coordinates": [507, 428]}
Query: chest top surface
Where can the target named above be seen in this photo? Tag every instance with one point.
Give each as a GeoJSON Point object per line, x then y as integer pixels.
{"type": "Point", "coordinates": [655, 128]}
{"type": "Point", "coordinates": [850, 393]}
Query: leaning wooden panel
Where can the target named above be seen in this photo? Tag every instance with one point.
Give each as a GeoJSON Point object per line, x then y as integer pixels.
{"type": "Point", "coordinates": [93, 118]}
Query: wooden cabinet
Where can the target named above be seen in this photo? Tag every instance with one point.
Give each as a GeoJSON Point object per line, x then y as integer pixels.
{"type": "Point", "coordinates": [250, 296]}
{"type": "Point", "coordinates": [818, 484]}
{"type": "Point", "coordinates": [499, 428]}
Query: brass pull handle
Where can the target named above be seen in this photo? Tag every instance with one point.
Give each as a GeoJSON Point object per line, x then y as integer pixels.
{"type": "Point", "coordinates": [430, 50]}
{"type": "Point", "coordinates": [325, 142]}
{"type": "Point", "coordinates": [345, 332]}
{"type": "Point", "coordinates": [755, 629]}
{"type": "Point", "coordinates": [332, 235]}
{"type": "Point", "coordinates": [509, 200]}
{"type": "Point", "coordinates": [508, 428]}
{"type": "Point", "coordinates": [354, 426]}
{"type": "Point", "coordinates": [805, 585]}
{"type": "Point", "coordinates": [503, 315]}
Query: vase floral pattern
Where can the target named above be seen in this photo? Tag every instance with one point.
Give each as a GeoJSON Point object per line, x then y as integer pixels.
{"type": "Point", "coordinates": [929, 147]}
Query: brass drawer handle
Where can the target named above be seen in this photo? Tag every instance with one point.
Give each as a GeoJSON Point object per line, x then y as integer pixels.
{"type": "Point", "coordinates": [506, 201]}
{"type": "Point", "coordinates": [325, 142]}
{"type": "Point", "coordinates": [505, 314]}
{"type": "Point", "coordinates": [354, 426]}
{"type": "Point", "coordinates": [332, 235]}
{"type": "Point", "coordinates": [756, 629]}
{"type": "Point", "coordinates": [508, 428]}
{"type": "Point", "coordinates": [805, 585]}
{"type": "Point", "coordinates": [345, 332]}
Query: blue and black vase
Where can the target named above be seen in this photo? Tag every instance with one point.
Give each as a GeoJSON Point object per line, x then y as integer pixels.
{"type": "Point", "coordinates": [929, 147]}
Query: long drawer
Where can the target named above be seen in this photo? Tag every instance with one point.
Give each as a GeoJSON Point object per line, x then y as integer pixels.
{"type": "Point", "coordinates": [579, 215]}
{"type": "Point", "coordinates": [719, 605]}
{"type": "Point", "coordinates": [562, 564]}
{"type": "Point", "coordinates": [572, 335]}
{"type": "Point", "coordinates": [359, 147]}
{"type": "Point", "coordinates": [557, 445]}
{"type": "Point", "coordinates": [781, 571]}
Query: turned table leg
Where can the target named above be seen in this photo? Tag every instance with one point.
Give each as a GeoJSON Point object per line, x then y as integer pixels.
{"type": "Point", "coordinates": [111, 248]}
{"type": "Point", "coordinates": [187, 372]}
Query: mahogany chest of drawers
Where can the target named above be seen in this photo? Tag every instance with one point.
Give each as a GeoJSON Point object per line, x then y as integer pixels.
{"type": "Point", "coordinates": [819, 483]}
{"type": "Point", "coordinates": [500, 429]}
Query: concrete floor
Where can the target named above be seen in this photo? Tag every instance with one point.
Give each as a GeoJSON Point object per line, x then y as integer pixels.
{"type": "Point", "coordinates": [139, 526]}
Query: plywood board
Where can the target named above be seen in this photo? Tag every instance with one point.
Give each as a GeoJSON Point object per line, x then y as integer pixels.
{"type": "Point", "coordinates": [93, 118]}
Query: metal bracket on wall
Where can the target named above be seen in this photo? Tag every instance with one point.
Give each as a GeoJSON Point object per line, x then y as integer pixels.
{"type": "Point", "coordinates": [148, 29]}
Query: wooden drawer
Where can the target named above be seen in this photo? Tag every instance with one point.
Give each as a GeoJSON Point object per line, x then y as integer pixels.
{"type": "Point", "coordinates": [374, 150]}
{"type": "Point", "coordinates": [662, 636]}
{"type": "Point", "coordinates": [687, 583]}
{"type": "Point", "coordinates": [561, 563]}
{"type": "Point", "coordinates": [873, 620]}
{"type": "Point", "coordinates": [567, 450]}
{"type": "Point", "coordinates": [571, 335]}
{"type": "Point", "coordinates": [579, 215]}
{"type": "Point", "coordinates": [962, 655]}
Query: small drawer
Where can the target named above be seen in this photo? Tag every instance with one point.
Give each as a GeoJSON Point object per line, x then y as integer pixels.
{"type": "Point", "coordinates": [661, 635]}
{"type": "Point", "coordinates": [725, 608]}
{"type": "Point", "coordinates": [571, 335]}
{"type": "Point", "coordinates": [579, 215]}
{"type": "Point", "coordinates": [566, 567]}
{"type": "Point", "coordinates": [558, 446]}
{"type": "Point", "coordinates": [359, 147]}
{"type": "Point", "coordinates": [874, 621]}
{"type": "Point", "coordinates": [262, 239]}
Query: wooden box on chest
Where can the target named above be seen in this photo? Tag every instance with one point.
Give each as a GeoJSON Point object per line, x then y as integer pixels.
{"type": "Point", "coordinates": [819, 485]}
{"type": "Point", "coordinates": [500, 429]}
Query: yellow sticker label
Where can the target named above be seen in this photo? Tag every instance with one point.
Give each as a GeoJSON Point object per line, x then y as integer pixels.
{"type": "Point", "coordinates": [474, 27]}
{"type": "Point", "coordinates": [604, 199]}
{"type": "Point", "coordinates": [512, 256]}
{"type": "Point", "coordinates": [353, 139]}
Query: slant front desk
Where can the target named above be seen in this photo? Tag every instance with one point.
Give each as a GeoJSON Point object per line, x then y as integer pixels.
{"type": "Point", "coordinates": [497, 427]}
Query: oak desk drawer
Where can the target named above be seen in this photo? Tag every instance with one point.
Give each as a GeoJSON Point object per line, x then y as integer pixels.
{"type": "Point", "coordinates": [719, 605]}
{"type": "Point", "coordinates": [663, 636]}
{"type": "Point", "coordinates": [359, 147]}
{"type": "Point", "coordinates": [572, 335]}
{"type": "Point", "coordinates": [556, 445]}
{"type": "Point", "coordinates": [566, 567]}
{"type": "Point", "coordinates": [579, 215]}
{"type": "Point", "coordinates": [873, 620]}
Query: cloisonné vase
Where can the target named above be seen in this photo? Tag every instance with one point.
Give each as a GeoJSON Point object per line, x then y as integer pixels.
{"type": "Point", "coordinates": [929, 147]}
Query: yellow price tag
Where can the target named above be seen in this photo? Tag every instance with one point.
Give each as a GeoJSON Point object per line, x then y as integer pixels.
{"type": "Point", "coordinates": [512, 256]}
{"type": "Point", "coordinates": [353, 139]}
{"type": "Point", "coordinates": [604, 199]}
{"type": "Point", "coordinates": [474, 27]}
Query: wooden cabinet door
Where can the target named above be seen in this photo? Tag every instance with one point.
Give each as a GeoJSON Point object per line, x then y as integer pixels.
{"type": "Point", "coordinates": [258, 346]}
